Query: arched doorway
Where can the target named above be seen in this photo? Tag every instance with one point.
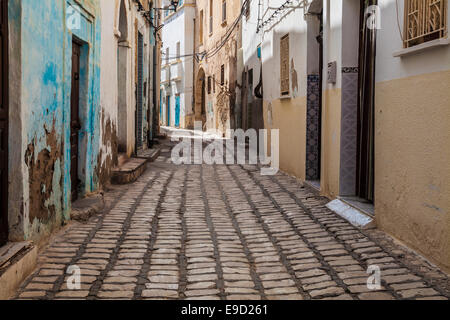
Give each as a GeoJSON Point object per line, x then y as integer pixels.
{"type": "Point", "coordinates": [200, 98]}
{"type": "Point", "coordinates": [122, 74]}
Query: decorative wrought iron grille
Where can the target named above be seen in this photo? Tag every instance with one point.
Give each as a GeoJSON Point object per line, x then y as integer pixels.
{"type": "Point", "coordinates": [284, 65]}
{"type": "Point", "coordinates": [425, 20]}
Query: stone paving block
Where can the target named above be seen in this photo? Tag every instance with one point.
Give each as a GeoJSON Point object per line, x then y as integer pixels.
{"type": "Point", "coordinates": [223, 232]}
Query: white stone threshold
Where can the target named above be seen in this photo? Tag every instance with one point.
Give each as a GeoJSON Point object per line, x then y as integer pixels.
{"type": "Point", "coordinates": [351, 214]}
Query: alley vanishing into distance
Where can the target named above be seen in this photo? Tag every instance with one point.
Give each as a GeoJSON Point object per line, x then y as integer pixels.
{"type": "Point", "coordinates": [224, 232]}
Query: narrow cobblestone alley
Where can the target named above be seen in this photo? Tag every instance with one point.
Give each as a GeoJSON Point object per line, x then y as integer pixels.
{"type": "Point", "coordinates": [224, 232]}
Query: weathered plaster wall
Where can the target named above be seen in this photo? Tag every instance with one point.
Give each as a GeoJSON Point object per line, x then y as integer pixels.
{"type": "Point", "coordinates": [290, 118]}
{"type": "Point", "coordinates": [45, 82]}
{"type": "Point", "coordinates": [331, 128]}
{"type": "Point", "coordinates": [331, 95]}
{"type": "Point", "coordinates": [121, 23]}
{"type": "Point", "coordinates": [220, 105]}
{"type": "Point", "coordinates": [179, 27]}
{"type": "Point", "coordinates": [288, 114]}
{"type": "Point", "coordinates": [108, 90]}
{"type": "Point", "coordinates": [16, 165]}
{"type": "Point", "coordinates": [412, 164]}
{"type": "Point", "coordinates": [412, 134]}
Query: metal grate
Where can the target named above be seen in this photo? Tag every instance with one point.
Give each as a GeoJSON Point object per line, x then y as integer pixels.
{"type": "Point", "coordinates": [425, 20]}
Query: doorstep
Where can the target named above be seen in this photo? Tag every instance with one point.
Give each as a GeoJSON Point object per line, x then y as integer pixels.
{"type": "Point", "coordinates": [17, 261]}
{"type": "Point", "coordinates": [129, 172]}
{"type": "Point", "coordinates": [315, 184]}
{"type": "Point", "coordinates": [354, 211]}
{"type": "Point", "coordinates": [149, 154]}
{"type": "Point", "coordinates": [83, 209]}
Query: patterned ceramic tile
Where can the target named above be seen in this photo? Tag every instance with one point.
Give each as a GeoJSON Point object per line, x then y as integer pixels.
{"type": "Point", "coordinates": [312, 128]}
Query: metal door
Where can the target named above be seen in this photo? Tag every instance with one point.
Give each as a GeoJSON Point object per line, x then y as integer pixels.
{"type": "Point", "coordinates": [177, 111]}
{"type": "Point", "coordinates": [3, 122]}
{"type": "Point", "coordinates": [74, 118]}
{"type": "Point", "coordinates": [139, 93]}
{"type": "Point", "coordinates": [366, 108]}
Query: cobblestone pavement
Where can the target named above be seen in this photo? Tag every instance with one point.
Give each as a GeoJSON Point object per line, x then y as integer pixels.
{"type": "Point", "coordinates": [225, 232]}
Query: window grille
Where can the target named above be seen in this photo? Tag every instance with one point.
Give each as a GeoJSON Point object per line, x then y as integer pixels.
{"type": "Point", "coordinates": [284, 65]}
{"type": "Point", "coordinates": [425, 20]}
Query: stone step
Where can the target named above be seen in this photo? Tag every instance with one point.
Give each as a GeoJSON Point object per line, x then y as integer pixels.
{"type": "Point", "coordinates": [128, 172]}
{"type": "Point", "coordinates": [83, 209]}
{"type": "Point", "coordinates": [17, 261]}
{"type": "Point", "coordinates": [150, 154]}
{"type": "Point", "coordinates": [122, 159]}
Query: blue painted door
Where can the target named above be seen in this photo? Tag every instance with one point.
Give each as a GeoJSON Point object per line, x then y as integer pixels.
{"type": "Point", "coordinates": [160, 106]}
{"type": "Point", "coordinates": [168, 111]}
{"type": "Point", "coordinates": [177, 111]}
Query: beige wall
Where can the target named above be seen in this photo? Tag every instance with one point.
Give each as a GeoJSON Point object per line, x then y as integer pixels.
{"type": "Point", "coordinates": [331, 142]}
{"type": "Point", "coordinates": [412, 162]}
{"type": "Point", "coordinates": [289, 116]}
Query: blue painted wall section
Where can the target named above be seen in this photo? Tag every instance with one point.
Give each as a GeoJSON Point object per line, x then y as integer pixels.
{"type": "Point", "coordinates": [46, 58]}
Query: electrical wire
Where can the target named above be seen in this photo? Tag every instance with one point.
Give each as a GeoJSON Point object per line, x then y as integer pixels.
{"type": "Point", "coordinates": [211, 53]}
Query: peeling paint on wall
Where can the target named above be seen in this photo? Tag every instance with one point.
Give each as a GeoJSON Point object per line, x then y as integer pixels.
{"type": "Point", "coordinates": [41, 168]}
{"type": "Point", "coordinates": [108, 159]}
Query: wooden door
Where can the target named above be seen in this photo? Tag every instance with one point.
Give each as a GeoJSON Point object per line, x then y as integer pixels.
{"type": "Point", "coordinates": [3, 122]}
{"type": "Point", "coordinates": [75, 118]}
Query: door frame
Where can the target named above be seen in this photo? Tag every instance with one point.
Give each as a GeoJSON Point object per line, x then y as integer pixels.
{"type": "Point", "coordinates": [365, 169]}
{"type": "Point", "coordinates": [74, 189]}
{"type": "Point", "coordinates": [4, 228]}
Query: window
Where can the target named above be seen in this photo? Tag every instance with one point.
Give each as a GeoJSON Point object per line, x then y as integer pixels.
{"type": "Point", "coordinates": [425, 20]}
{"type": "Point", "coordinates": [284, 65]}
{"type": "Point", "coordinates": [201, 28]}
{"type": "Point", "coordinates": [224, 11]}
{"type": "Point", "coordinates": [214, 83]}
{"type": "Point", "coordinates": [210, 16]}
{"type": "Point", "coordinates": [167, 55]}
{"type": "Point", "coordinates": [178, 50]}
{"type": "Point", "coordinates": [222, 75]}
{"type": "Point", "coordinates": [209, 85]}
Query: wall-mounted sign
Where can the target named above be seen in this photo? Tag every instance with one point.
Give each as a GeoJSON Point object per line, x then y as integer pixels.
{"type": "Point", "coordinates": [332, 72]}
